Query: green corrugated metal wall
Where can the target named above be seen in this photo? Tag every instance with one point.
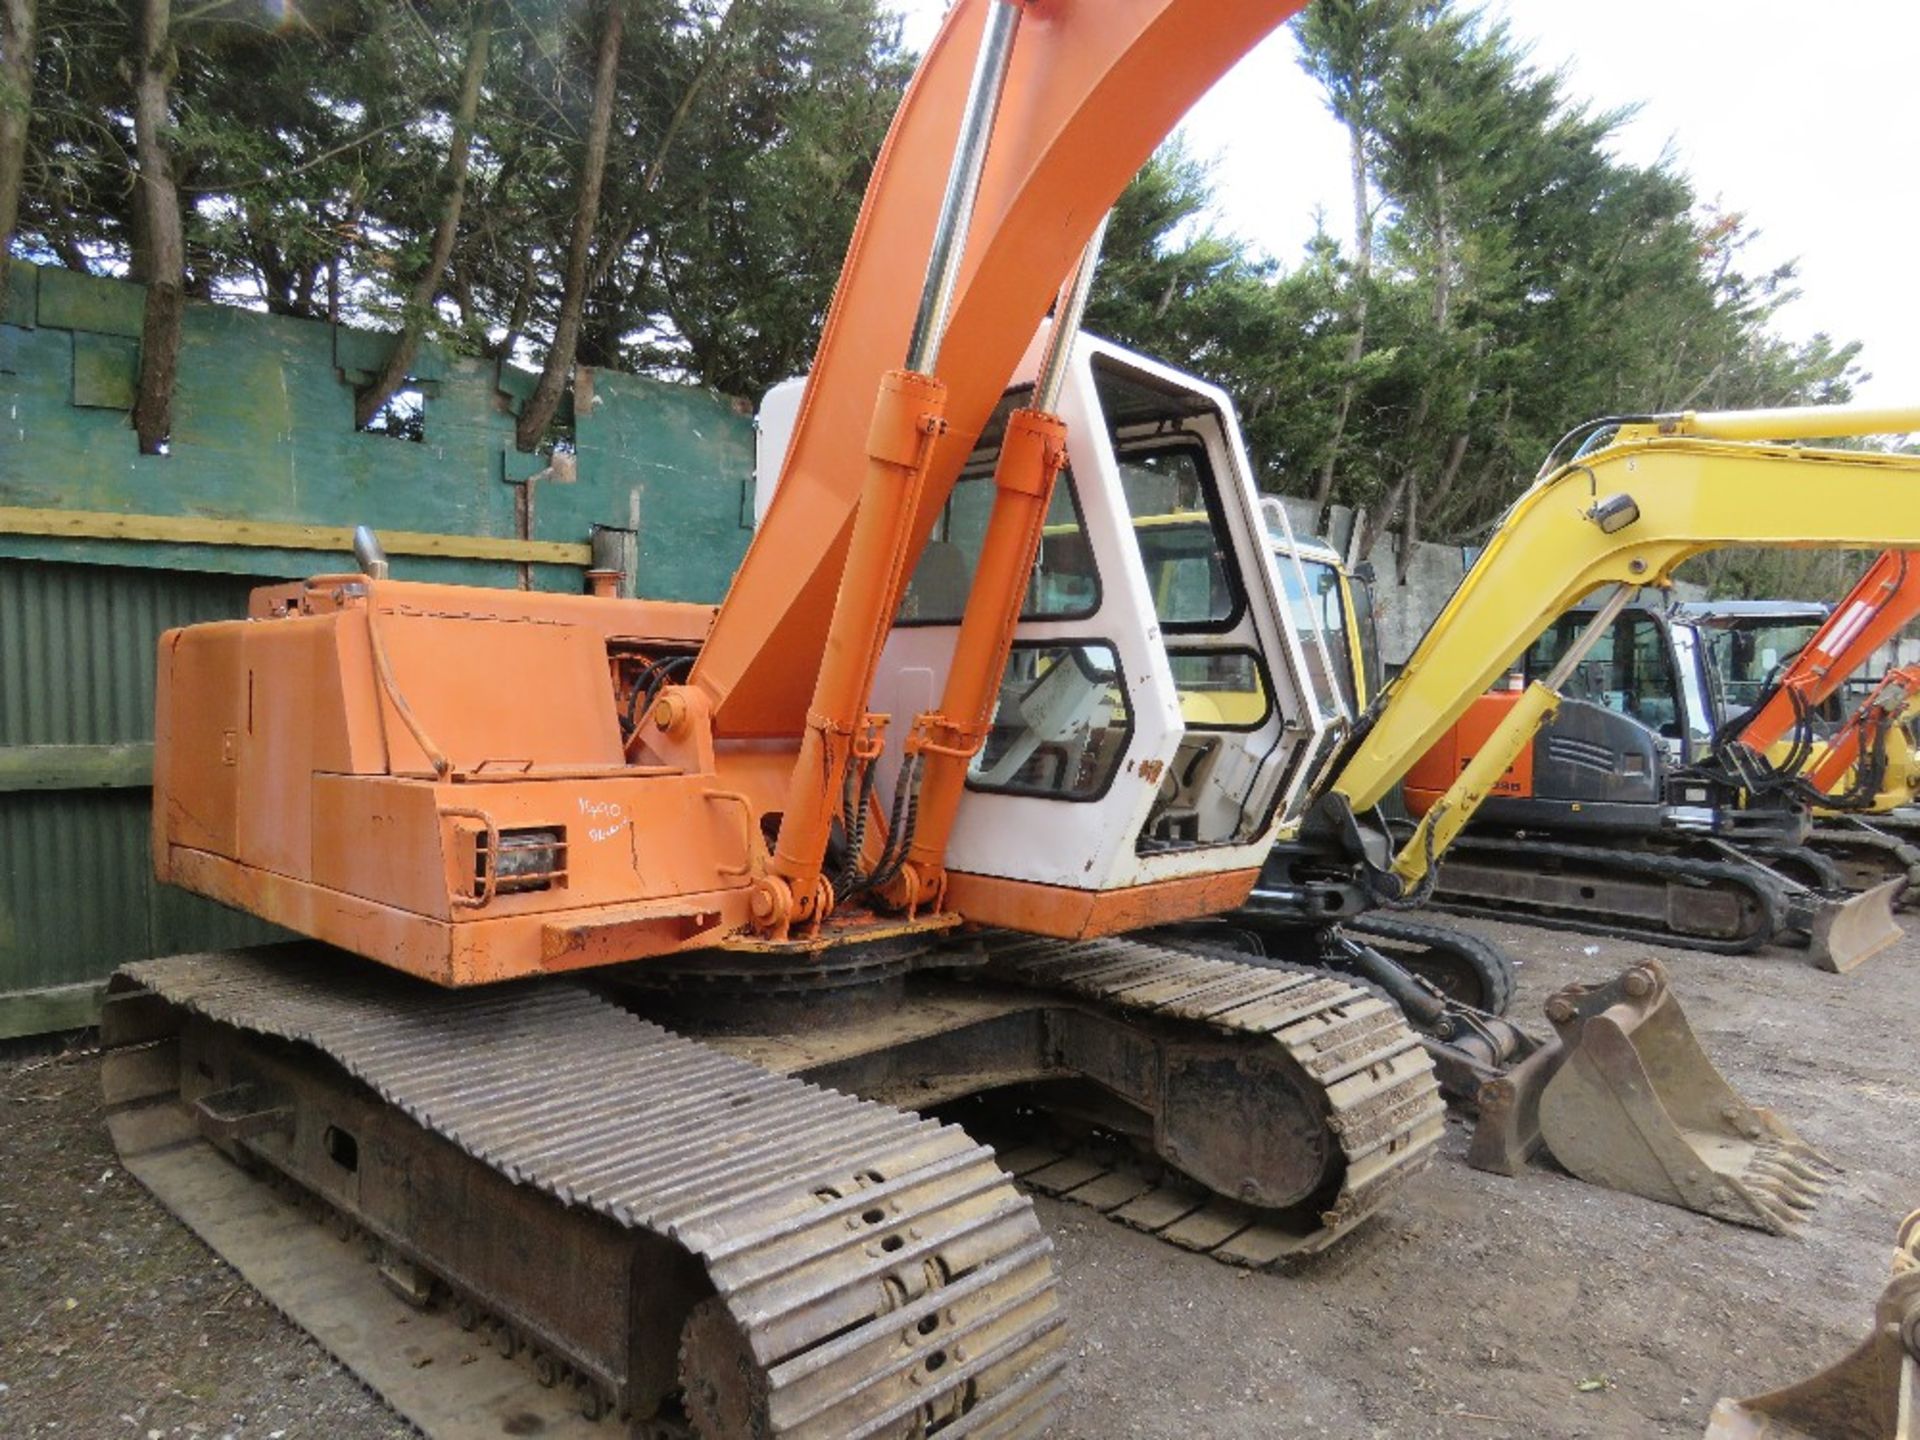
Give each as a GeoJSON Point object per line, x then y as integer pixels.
{"type": "Point", "coordinates": [77, 894]}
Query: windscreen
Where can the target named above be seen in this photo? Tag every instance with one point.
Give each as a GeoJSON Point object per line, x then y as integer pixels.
{"type": "Point", "coordinates": [1321, 612]}
{"type": "Point", "coordinates": [1747, 657]}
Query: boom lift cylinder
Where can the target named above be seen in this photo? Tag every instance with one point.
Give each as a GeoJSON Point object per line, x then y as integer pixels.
{"type": "Point", "coordinates": [943, 741]}
{"type": "Point", "coordinates": [909, 415]}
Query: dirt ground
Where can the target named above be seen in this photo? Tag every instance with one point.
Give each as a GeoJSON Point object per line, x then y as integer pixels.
{"type": "Point", "coordinates": [1474, 1307]}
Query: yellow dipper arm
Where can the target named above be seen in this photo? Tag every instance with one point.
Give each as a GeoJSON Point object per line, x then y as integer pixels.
{"type": "Point", "coordinates": [1450, 813]}
{"type": "Point", "coordinates": [1627, 514]}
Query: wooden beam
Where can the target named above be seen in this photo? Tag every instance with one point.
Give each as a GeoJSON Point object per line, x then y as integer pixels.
{"type": "Point", "coordinates": [76, 767]}
{"type": "Point", "coordinates": [274, 535]}
{"type": "Point", "coordinates": [41, 1012]}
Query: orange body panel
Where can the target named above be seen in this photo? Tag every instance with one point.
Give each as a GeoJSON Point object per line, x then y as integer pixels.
{"type": "Point", "coordinates": [1436, 770]}
{"type": "Point", "coordinates": [287, 782]}
{"type": "Point", "coordinates": [476, 953]}
{"type": "Point", "coordinates": [1088, 914]}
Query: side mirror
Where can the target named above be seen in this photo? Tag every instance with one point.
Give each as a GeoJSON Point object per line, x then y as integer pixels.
{"type": "Point", "coordinates": [1363, 572]}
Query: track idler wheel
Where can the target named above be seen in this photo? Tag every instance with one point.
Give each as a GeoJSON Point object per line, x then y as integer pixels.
{"type": "Point", "coordinates": [1873, 1394]}
{"type": "Point", "coordinates": [723, 1387]}
{"type": "Point", "coordinates": [1624, 1096]}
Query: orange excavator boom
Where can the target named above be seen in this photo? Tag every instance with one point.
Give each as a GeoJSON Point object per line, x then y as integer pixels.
{"type": "Point", "coordinates": [1090, 91]}
{"type": "Point", "coordinates": [1878, 607]}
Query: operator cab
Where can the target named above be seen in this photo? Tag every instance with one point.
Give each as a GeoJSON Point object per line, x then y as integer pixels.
{"type": "Point", "coordinates": [1740, 647]}
{"type": "Point", "coordinates": [1639, 667]}
{"type": "Point", "coordinates": [1682, 673]}
{"type": "Point", "coordinates": [1152, 705]}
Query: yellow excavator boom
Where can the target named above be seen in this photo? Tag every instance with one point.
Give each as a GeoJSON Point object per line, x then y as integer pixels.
{"type": "Point", "coordinates": [1630, 513]}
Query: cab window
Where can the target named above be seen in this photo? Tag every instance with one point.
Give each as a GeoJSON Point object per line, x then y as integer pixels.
{"type": "Point", "coordinates": [1065, 584]}
{"type": "Point", "coordinates": [1746, 658]}
{"type": "Point", "coordinates": [1060, 726]}
{"type": "Point", "coordinates": [1627, 669]}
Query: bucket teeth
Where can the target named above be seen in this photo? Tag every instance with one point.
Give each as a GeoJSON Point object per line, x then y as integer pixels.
{"type": "Point", "coordinates": [1796, 1194]}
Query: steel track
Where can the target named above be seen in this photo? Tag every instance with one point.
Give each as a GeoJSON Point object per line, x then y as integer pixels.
{"type": "Point", "coordinates": [1524, 856]}
{"type": "Point", "coordinates": [872, 1273]}
{"type": "Point", "coordinates": [1382, 1101]}
{"type": "Point", "coordinates": [1886, 856]}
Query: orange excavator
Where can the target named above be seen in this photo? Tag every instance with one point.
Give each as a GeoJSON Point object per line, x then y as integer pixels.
{"type": "Point", "coordinates": [642, 936]}
{"type": "Point", "coordinates": [494, 790]}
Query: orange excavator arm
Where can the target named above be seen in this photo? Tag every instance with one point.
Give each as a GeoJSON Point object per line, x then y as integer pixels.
{"type": "Point", "coordinates": [1886, 598]}
{"type": "Point", "coordinates": [1091, 90]}
{"type": "Point", "coordinates": [1865, 729]}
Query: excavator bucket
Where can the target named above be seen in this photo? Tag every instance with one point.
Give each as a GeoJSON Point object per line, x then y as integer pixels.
{"type": "Point", "coordinates": [1624, 1096]}
{"type": "Point", "coordinates": [1873, 1394]}
{"type": "Point", "coordinates": [1847, 933]}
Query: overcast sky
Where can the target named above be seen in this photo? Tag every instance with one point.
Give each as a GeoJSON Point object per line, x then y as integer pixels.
{"type": "Point", "coordinates": [1801, 117]}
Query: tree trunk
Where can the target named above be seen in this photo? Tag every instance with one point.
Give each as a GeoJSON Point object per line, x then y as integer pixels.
{"type": "Point", "coordinates": [1374, 519]}
{"type": "Point", "coordinates": [538, 412]}
{"type": "Point", "coordinates": [1371, 522]}
{"type": "Point", "coordinates": [165, 253]}
{"type": "Point", "coordinates": [16, 110]}
{"type": "Point", "coordinates": [1356, 342]}
{"type": "Point", "coordinates": [1409, 536]}
{"type": "Point", "coordinates": [406, 345]}
{"type": "Point", "coordinates": [509, 341]}
{"type": "Point", "coordinates": [600, 342]}
{"type": "Point", "coordinates": [460, 286]}
{"type": "Point", "coordinates": [1410, 530]}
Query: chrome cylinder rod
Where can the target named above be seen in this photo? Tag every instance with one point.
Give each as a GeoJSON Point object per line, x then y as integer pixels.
{"type": "Point", "coordinates": [1589, 636]}
{"type": "Point", "coordinates": [963, 185]}
{"type": "Point", "coordinates": [369, 554]}
{"type": "Point", "coordinates": [1068, 311]}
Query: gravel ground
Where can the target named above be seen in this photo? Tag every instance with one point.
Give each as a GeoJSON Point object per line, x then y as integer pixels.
{"type": "Point", "coordinates": [1474, 1307]}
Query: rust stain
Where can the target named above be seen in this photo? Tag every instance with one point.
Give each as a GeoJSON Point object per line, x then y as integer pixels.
{"type": "Point", "coordinates": [1150, 770]}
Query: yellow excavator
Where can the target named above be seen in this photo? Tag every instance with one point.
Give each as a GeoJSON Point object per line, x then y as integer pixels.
{"type": "Point", "coordinates": [1632, 1101]}
{"type": "Point", "coordinates": [640, 933]}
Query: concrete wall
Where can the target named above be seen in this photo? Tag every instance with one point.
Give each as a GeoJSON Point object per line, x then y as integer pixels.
{"type": "Point", "coordinates": [263, 432]}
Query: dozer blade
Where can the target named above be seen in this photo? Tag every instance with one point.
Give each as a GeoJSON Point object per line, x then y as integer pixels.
{"type": "Point", "coordinates": [1847, 933]}
{"type": "Point", "coordinates": [1625, 1097]}
{"type": "Point", "coordinates": [1873, 1394]}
